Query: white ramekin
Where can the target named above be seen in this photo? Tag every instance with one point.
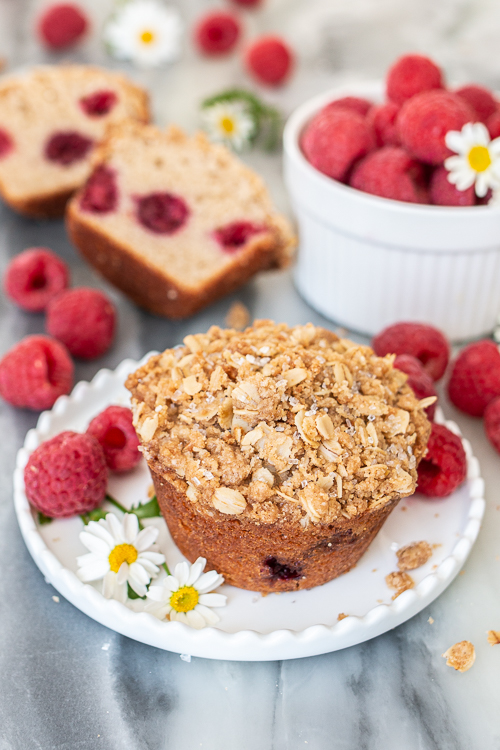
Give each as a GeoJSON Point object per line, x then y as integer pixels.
{"type": "Point", "coordinates": [366, 262]}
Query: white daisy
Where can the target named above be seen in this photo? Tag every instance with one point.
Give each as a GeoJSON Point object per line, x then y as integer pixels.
{"type": "Point", "coordinates": [145, 32]}
{"type": "Point", "coordinates": [184, 596]}
{"type": "Point", "coordinates": [478, 160]}
{"type": "Point", "coordinates": [119, 554]}
{"type": "Point", "coordinates": [229, 123]}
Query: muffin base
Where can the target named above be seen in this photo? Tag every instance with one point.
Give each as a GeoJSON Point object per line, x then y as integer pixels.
{"type": "Point", "coordinates": [267, 557]}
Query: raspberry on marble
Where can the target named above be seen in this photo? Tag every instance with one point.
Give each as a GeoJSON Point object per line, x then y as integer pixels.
{"type": "Point", "coordinates": [269, 59]}
{"type": "Point", "coordinates": [35, 372]}
{"type": "Point", "coordinates": [34, 277]}
{"type": "Point", "coordinates": [475, 377]}
{"type": "Point", "coordinates": [84, 320]}
{"type": "Point", "coordinates": [217, 33]}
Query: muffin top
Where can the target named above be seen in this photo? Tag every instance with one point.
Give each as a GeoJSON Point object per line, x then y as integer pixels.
{"type": "Point", "coordinates": [279, 423]}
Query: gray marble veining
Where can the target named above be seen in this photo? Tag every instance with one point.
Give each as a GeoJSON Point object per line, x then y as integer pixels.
{"type": "Point", "coordinates": [70, 684]}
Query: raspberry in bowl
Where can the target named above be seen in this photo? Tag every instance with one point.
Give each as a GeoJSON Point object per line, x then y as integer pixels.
{"type": "Point", "coordinates": [367, 261]}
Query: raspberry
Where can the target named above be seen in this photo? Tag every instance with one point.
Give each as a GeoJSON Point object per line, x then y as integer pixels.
{"type": "Point", "coordinates": [411, 75]}
{"type": "Point", "coordinates": [382, 118]}
{"type": "Point", "coordinates": [84, 320]}
{"type": "Point", "coordinates": [34, 277]}
{"type": "Point", "coordinates": [479, 99]}
{"type": "Point", "coordinates": [444, 467]}
{"type": "Point", "coordinates": [100, 194]}
{"type": "Point", "coordinates": [492, 423]}
{"type": "Point", "coordinates": [99, 103]}
{"type": "Point", "coordinates": [475, 377]}
{"type": "Point", "coordinates": [162, 213]}
{"type": "Point", "coordinates": [114, 431]}
{"type": "Point", "coordinates": [420, 340]}
{"type": "Point", "coordinates": [390, 173]}
{"type": "Point", "coordinates": [62, 25]}
{"type": "Point", "coordinates": [334, 140]}
{"type": "Point", "coordinates": [35, 372]}
{"type": "Point", "coordinates": [493, 124]}
{"type": "Point", "coordinates": [217, 33]}
{"type": "Point", "coordinates": [6, 143]}
{"type": "Point", "coordinates": [269, 59]}
{"type": "Point", "coordinates": [418, 380]}
{"type": "Point", "coordinates": [352, 103]}
{"type": "Point", "coordinates": [443, 193]}
{"type": "Point", "coordinates": [66, 476]}
{"type": "Point", "coordinates": [67, 148]}
{"type": "Point", "coordinates": [423, 122]}
{"type": "Point", "coordinates": [235, 235]}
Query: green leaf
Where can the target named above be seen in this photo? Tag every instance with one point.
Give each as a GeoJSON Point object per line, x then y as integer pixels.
{"type": "Point", "coordinates": [94, 515]}
{"type": "Point", "coordinates": [131, 593]}
{"type": "Point", "coordinates": [147, 510]}
{"type": "Point", "coordinates": [43, 519]}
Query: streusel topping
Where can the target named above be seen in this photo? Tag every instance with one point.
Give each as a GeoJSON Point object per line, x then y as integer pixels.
{"type": "Point", "coordinates": [279, 423]}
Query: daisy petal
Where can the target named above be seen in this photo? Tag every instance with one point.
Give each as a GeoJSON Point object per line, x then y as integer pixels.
{"type": "Point", "coordinates": [181, 573]}
{"type": "Point", "coordinates": [122, 575]}
{"type": "Point", "coordinates": [196, 571]}
{"type": "Point", "coordinates": [155, 557]}
{"type": "Point", "coordinates": [109, 585]}
{"type": "Point", "coordinates": [156, 593]}
{"type": "Point", "coordinates": [179, 617]}
{"type": "Point", "coordinates": [139, 574]}
{"type": "Point", "coordinates": [213, 600]}
{"type": "Point", "coordinates": [209, 581]}
{"type": "Point", "coordinates": [121, 593]}
{"type": "Point", "coordinates": [171, 583]}
{"type": "Point", "coordinates": [208, 614]}
{"type": "Point", "coordinates": [93, 571]}
{"type": "Point", "coordinates": [115, 528]}
{"type": "Point", "coordinates": [82, 560]}
{"type": "Point", "coordinates": [100, 530]}
{"type": "Point", "coordinates": [130, 527]}
{"type": "Point", "coordinates": [151, 568]}
{"type": "Point", "coordinates": [146, 538]}
{"type": "Point", "coordinates": [94, 544]}
{"type": "Point", "coordinates": [454, 140]}
{"type": "Point", "coordinates": [139, 589]}
{"type": "Point", "coordinates": [195, 619]}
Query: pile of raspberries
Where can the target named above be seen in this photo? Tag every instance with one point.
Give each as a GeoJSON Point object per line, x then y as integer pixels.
{"type": "Point", "coordinates": [80, 322]}
{"type": "Point", "coordinates": [396, 149]}
{"type": "Point", "coordinates": [473, 386]}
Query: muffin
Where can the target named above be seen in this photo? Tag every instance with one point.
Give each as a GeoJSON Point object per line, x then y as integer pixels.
{"type": "Point", "coordinates": [277, 453]}
{"type": "Point", "coordinates": [174, 221]}
{"type": "Point", "coordinates": [51, 119]}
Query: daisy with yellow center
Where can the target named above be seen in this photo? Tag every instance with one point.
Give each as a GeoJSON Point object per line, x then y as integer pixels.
{"type": "Point", "coordinates": [229, 123]}
{"type": "Point", "coordinates": [119, 554]}
{"type": "Point", "coordinates": [478, 159]}
{"type": "Point", "coordinates": [185, 595]}
{"type": "Point", "coordinates": [146, 32]}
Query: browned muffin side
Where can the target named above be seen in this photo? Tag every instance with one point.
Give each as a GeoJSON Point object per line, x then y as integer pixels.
{"type": "Point", "coordinates": [277, 453]}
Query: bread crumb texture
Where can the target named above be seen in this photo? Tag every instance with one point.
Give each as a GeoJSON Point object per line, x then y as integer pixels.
{"type": "Point", "coordinates": [494, 637]}
{"type": "Point", "coordinates": [461, 656]}
{"type": "Point", "coordinates": [279, 423]}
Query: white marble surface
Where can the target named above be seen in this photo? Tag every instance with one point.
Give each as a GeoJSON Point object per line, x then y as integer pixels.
{"type": "Point", "coordinates": [71, 684]}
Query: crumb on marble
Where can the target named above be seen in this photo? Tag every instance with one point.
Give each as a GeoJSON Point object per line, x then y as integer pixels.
{"type": "Point", "coordinates": [55, 599]}
{"type": "Point", "coordinates": [399, 582]}
{"type": "Point", "coordinates": [374, 570]}
{"type": "Point", "coordinates": [461, 656]}
{"type": "Point", "coordinates": [404, 507]}
{"type": "Point", "coordinates": [494, 637]}
{"type": "Point", "coordinates": [238, 316]}
{"type": "Point", "coordinates": [413, 555]}
{"type": "Point", "coordinates": [431, 621]}
{"type": "Point", "coordinates": [462, 572]}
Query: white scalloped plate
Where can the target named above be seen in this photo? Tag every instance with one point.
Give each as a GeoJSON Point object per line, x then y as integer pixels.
{"type": "Point", "coordinates": [252, 627]}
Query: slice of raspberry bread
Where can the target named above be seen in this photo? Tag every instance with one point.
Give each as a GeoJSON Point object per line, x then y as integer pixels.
{"type": "Point", "coordinates": [175, 221]}
{"type": "Point", "coordinates": [50, 122]}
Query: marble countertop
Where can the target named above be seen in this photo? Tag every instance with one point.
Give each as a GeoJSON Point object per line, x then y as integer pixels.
{"type": "Point", "coordinates": [69, 683]}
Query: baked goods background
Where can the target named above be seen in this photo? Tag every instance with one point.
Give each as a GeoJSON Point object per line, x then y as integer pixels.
{"type": "Point", "coordinates": [338, 41]}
